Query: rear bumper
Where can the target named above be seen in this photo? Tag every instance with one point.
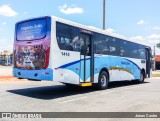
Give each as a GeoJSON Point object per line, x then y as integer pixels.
{"type": "Point", "coordinates": [44, 74]}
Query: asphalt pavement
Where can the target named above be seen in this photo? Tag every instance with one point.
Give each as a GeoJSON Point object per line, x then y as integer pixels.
{"type": "Point", "coordinates": [44, 96]}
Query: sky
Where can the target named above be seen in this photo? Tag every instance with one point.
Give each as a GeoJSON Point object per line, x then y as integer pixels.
{"type": "Point", "coordinates": [138, 20]}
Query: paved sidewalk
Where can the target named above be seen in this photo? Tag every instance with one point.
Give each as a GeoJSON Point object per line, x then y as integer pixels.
{"type": "Point", "coordinates": [156, 73]}
{"type": "Point", "coordinates": [5, 70]}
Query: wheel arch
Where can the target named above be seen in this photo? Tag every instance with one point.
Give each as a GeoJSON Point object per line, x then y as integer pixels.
{"type": "Point", "coordinates": [144, 72]}
{"type": "Point", "coordinates": [106, 70]}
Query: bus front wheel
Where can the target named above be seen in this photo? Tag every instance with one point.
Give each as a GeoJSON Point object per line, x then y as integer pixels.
{"type": "Point", "coordinates": [103, 80]}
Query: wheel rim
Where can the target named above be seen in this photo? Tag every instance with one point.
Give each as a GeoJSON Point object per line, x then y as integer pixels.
{"type": "Point", "coordinates": [103, 80]}
{"type": "Point", "coordinates": [141, 79]}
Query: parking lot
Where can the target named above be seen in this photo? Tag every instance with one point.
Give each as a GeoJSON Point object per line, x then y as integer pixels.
{"type": "Point", "coordinates": [5, 70]}
{"type": "Point", "coordinates": [43, 96]}
{"type": "Point", "coordinates": [31, 96]}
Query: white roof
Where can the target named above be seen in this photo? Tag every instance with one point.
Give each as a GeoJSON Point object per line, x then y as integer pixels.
{"type": "Point", "coordinates": [94, 29]}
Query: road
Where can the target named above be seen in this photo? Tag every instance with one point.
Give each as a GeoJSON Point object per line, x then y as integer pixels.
{"type": "Point", "coordinates": [32, 96]}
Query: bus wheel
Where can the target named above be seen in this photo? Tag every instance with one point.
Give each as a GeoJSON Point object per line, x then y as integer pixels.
{"type": "Point", "coordinates": [103, 80]}
{"type": "Point", "coordinates": [141, 80]}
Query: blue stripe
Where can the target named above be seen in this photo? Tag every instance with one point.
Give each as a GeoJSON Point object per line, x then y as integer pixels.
{"type": "Point", "coordinates": [72, 63]}
{"type": "Point", "coordinates": [133, 63]}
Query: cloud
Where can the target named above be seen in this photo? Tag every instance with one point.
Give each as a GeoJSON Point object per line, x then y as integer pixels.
{"type": "Point", "coordinates": [140, 22]}
{"type": "Point", "coordinates": [154, 37]}
{"type": "Point", "coordinates": [3, 23]}
{"type": "Point", "coordinates": [156, 28]}
{"type": "Point", "coordinates": [70, 9]}
{"type": "Point", "coordinates": [5, 10]}
{"type": "Point", "coordinates": [150, 40]}
{"type": "Point", "coordinates": [25, 12]}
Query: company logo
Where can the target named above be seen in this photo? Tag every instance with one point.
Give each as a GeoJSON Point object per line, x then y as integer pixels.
{"type": "Point", "coordinates": [6, 116]}
{"type": "Point", "coordinates": [21, 115]}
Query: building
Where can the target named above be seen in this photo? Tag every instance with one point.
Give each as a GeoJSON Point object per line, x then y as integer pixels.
{"type": "Point", "coordinates": [6, 52]}
{"type": "Point", "coordinates": [157, 62]}
{"type": "Point", "coordinates": [6, 58]}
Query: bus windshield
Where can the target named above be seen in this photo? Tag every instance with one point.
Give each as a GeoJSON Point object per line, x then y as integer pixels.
{"type": "Point", "coordinates": [31, 30]}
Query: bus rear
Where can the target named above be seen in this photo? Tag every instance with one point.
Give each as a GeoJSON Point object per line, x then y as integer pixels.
{"type": "Point", "coordinates": [32, 49]}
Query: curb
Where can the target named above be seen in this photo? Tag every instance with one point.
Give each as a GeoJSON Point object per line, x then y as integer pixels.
{"type": "Point", "coordinates": [155, 75]}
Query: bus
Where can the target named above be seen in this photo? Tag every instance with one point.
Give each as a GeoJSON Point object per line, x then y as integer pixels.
{"type": "Point", "coordinates": [54, 49]}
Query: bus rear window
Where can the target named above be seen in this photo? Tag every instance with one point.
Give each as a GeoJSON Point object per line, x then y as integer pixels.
{"type": "Point", "coordinates": [31, 30]}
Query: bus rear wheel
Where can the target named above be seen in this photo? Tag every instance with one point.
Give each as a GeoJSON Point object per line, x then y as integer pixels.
{"type": "Point", "coordinates": [103, 80]}
{"type": "Point", "coordinates": [142, 77]}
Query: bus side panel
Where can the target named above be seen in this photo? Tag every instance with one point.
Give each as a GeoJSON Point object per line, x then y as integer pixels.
{"type": "Point", "coordinates": [66, 64]}
{"type": "Point", "coordinates": [119, 68]}
{"type": "Point", "coordinates": [68, 70]}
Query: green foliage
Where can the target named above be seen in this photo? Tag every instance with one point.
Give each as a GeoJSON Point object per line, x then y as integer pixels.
{"type": "Point", "coordinates": [158, 45]}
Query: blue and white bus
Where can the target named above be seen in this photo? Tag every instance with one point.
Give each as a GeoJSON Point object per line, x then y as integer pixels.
{"type": "Point", "coordinates": [54, 49]}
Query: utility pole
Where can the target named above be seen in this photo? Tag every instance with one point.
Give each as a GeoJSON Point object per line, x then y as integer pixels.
{"type": "Point", "coordinates": [154, 53]}
{"type": "Point", "coordinates": [104, 14]}
{"type": "Point", "coordinates": [154, 62]}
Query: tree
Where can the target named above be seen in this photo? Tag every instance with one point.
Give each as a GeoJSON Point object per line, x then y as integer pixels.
{"type": "Point", "coordinates": [158, 45]}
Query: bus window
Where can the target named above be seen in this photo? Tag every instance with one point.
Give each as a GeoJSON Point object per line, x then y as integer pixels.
{"type": "Point", "coordinates": [101, 44]}
{"type": "Point", "coordinates": [114, 46]}
{"type": "Point", "coordinates": [69, 37]}
{"type": "Point", "coordinates": [133, 50]}
{"type": "Point", "coordinates": [76, 44]}
{"type": "Point", "coordinates": [31, 30]}
{"type": "Point", "coordinates": [141, 52]}
{"type": "Point", "coordinates": [124, 48]}
{"type": "Point", "coordinates": [83, 50]}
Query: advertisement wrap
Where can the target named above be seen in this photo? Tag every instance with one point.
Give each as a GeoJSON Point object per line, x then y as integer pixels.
{"type": "Point", "coordinates": [32, 44]}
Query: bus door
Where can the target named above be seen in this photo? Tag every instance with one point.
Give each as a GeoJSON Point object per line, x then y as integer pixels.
{"type": "Point", "coordinates": [86, 58]}
{"type": "Point", "coordinates": [148, 62]}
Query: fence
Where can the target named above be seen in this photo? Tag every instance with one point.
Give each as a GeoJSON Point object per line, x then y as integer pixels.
{"type": "Point", "coordinates": [6, 60]}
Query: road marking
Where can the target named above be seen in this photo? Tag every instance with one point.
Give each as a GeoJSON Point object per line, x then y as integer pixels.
{"type": "Point", "coordinates": [116, 90]}
{"type": "Point", "coordinates": [71, 100]}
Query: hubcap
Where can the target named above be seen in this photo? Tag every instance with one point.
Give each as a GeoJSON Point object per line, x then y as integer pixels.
{"type": "Point", "coordinates": [141, 79]}
{"type": "Point", "coordinates": [103, 80]}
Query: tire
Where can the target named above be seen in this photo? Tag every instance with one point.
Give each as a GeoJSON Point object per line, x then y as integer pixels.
{"type": "Point", "coordinates": [103, 80]}
{"type": "Point", "coordinates": [142, 77]}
